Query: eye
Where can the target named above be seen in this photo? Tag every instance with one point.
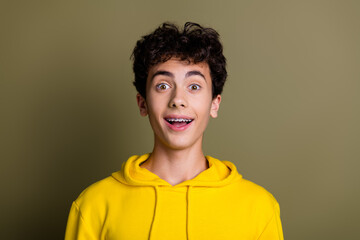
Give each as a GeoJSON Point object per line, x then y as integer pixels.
{"type": "Point", "coordinates": [162, 86]}
{"type": "Point", "coordinates": [194, 87]}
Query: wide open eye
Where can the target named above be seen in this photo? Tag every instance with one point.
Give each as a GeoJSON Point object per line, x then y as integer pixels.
{"type": "Point", "coordinates": [194, 87]}
{"type": "Point", "coordinates": [162, 86]}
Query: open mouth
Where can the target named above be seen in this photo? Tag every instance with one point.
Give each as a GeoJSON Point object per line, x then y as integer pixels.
{"type": "Point", "coordinates": [179, 122]}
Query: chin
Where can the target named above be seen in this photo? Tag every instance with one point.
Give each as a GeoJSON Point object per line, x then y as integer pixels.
{"type": "Point", "coordinates": [179, 143]}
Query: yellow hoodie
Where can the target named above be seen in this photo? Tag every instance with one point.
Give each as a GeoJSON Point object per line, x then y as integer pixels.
{"type": "Point", "coordinates": [135, 204]}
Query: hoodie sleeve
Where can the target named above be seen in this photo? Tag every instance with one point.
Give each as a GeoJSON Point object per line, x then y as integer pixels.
{"type": "Point", "coordinates": [273, 230]}
{"type": "Point", "coordinates": [76, 228]}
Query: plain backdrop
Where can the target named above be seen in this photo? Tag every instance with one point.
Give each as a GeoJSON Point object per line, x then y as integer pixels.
{"type": "Point", "coordinates": [289, 118]}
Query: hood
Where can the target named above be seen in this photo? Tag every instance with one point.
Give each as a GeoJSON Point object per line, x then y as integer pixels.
{"type": "Point", "coordinates": [218, 174]}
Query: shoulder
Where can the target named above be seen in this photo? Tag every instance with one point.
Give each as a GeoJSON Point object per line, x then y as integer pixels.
{"type": "Point", "coordinates": [254, 189]}
{"type": "Point", "coordinates": [99, 192]}
{"type": "Point", "coordinates": [255, 195]}
{"type": "Point", "coordinates": [240, 188]}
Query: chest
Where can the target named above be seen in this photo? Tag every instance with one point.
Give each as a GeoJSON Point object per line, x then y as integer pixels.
{"type": "Point", "coordinates": [180, 214]}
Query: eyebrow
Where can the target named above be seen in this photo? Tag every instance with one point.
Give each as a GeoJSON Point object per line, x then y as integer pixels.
{"type": "Point", "coordinates": [169, 74]}
{"type": "Point", "coordinates": [165, 73]}
{"type": "Point", "coordinates": [196, 73]}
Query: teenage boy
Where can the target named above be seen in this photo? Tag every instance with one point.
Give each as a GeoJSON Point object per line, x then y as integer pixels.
{"type": "Point", "coordinates": [176, 192]}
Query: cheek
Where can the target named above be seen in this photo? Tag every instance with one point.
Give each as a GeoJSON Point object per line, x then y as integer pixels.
{"type": "Point", "coordinates": [155, 109]}
{"type": "Point", "coordinates": [203, 108]}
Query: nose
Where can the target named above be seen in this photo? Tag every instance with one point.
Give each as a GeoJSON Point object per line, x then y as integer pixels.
{"type": "Point", "coordinates": [178, 99]}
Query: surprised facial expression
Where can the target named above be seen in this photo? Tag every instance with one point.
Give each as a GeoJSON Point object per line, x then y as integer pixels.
{"type": "Point", "coordinates": [179, 103]}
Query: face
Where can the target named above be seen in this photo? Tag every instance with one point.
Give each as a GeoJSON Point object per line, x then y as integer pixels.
{"type": "Point", "coordinates": [179, 103]}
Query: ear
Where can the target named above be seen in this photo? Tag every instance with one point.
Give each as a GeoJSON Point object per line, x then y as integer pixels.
{"type": "Point", "coordinates": [215, 105]}
{"type": "Point", "coordinates": [142, 105]}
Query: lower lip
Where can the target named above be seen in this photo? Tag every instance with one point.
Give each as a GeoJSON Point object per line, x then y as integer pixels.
{"type": "Point", "coordinates": [178, 129]}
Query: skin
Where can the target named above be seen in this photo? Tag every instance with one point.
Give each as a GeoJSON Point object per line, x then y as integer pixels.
{"type": "Point", "coordinates": [178, 89]}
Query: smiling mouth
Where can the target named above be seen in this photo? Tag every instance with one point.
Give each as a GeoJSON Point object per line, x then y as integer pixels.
{"type": "Point", "coordinates": [179, 122]}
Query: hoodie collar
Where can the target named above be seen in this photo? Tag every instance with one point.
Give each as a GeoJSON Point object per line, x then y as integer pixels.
{"type": "Point", "coordinates": [218, 174]}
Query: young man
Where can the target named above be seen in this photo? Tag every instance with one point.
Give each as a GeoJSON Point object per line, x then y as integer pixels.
{"type": "Point", "coordinates": [176, 192]}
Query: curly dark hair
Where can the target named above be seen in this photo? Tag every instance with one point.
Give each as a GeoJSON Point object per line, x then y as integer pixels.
{"type": "Point", "coordinates": [193, 44]}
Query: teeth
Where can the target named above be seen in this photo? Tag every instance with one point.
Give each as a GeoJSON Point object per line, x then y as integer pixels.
{"type": "Point", "coordinates": [178, 120]}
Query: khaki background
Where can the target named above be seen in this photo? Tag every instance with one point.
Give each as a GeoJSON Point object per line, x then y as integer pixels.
{"type": "Point", "coordinates": [289, 118]}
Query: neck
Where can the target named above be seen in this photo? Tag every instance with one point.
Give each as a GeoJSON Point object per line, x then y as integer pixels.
{"type": "Point", "coordinates": [174, 165]}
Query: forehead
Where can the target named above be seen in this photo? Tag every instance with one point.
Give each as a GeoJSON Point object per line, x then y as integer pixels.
{"type": "Point", "coordinates": [177, 66]}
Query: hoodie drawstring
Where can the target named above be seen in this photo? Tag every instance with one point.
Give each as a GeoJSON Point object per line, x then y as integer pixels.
{"type": "Point", "coordinates": [187, 211]}
{"type": "Point", "coordinates": [155, 210]}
